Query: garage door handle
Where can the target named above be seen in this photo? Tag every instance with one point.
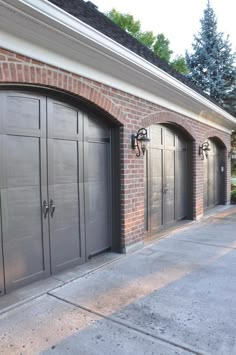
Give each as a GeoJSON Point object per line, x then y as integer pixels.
{"type": "Point", "coordinates": [45, 209]}
{"type": "Point", "coordinates": [165, 189]}
{"type": "Point", "coordinates": [52, 208]}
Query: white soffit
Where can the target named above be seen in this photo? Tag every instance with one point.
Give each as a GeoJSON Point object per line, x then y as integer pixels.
{"type": "Point", "coordinates": [42, 31]}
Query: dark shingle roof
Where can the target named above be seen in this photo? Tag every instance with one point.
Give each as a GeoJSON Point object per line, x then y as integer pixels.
{"type": "Point", "coordinates": [88, 13]}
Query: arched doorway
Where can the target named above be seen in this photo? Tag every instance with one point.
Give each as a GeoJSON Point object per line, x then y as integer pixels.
{"type": "Point", "coordinates": [214, 174]}
{"type": "Point", "coordinates": [168, 177]}
{"type": "Point", "coordinates": [55, 186]}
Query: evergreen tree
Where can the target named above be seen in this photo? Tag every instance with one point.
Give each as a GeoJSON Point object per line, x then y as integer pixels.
{"type": "Point", "coordinates": [211, 65]}
{"type": "Point", "coordinates": [229, 102]}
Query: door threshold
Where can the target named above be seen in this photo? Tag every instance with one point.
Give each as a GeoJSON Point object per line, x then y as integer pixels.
{"type": "Point", "coordinates": [166, 232]}
{"type": "Point", "coordinates": [209, 212]}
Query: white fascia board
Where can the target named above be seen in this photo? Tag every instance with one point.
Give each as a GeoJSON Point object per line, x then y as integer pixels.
{"type": "Point", "coordinates": [68, 27]}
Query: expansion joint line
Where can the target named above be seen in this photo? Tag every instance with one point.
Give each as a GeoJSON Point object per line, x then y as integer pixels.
{"type": "Point", "coordinates": [136, 329]}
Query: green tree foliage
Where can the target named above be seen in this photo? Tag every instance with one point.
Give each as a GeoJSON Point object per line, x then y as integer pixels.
{"type": "Point", "coordinates": [147, 38]}
{"type": "Point", "coordinates": [125, 21]}
{"type": "Point", "coordinates": [179, 64]}
{"type": "Point", "coordinates": [161, 47]}
{"type": "Point", "coordinates": [159, 44]}
{"type": "Point", "coordinates": [211, 65]}
{"type": "Point", "coordinates": [132, 26]}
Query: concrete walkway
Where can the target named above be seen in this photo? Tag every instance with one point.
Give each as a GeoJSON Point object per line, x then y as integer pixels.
{"type": "Point", "coordinates": [175, 296]}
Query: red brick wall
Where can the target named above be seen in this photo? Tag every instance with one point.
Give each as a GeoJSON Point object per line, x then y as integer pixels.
{"type": "Point", "coordinates": [131, 113]}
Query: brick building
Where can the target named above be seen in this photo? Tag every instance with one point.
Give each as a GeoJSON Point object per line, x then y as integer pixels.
{"type": "Point", "coordinates": [74, 89]}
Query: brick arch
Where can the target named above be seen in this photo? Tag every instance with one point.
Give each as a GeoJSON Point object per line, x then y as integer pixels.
{"type": "Point", "coordinates": [213, 133]}
{"type": "Point", "coordinates": [17, 69]}
{"type": "Point", "coordinates": [169, 117]}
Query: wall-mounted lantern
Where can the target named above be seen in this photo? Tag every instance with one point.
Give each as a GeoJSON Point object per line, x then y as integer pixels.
{"type": "Point", "coordinates": [139, 141]}
{"type": "Point", "coordinates": [232, 153]}
{"type": "Point", "coordinates": [204, 148]}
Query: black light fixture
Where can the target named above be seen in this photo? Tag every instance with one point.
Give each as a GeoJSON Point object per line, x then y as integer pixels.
{"type": "Point", "coordinates": [204, 148]}
{"type": "Point", "coordinates": [232, 153]}
{"type": "Point", "coordinates": [139, 141]}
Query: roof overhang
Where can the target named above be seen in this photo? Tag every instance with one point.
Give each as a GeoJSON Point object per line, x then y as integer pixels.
{"type": "Point", "coordinates": [43, 31]}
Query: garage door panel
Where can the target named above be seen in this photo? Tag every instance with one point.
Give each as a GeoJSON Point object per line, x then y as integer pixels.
{"type": "Point", "coordinates": [22, 262]}
{"type": "Point", "coordinates": [217, 178]}
{"type": "Point", "coordinates": [2, 286]}
{"type": "Point", "coordinates": [97, 217]}
{"type": "Point", "coordinates": [156, 211]}
{"type": "Point", "coordinates": [181, 206]}
{"type": "Point", "coordinates": [169, 164]}
{"type": "Point", "coordinates": [169, 211]}
{"type": "Point", "coordinates": [211, 180]}
{"type": "Point", "coordinates": [23, 114]}
{"type": "Point", "coordinates": [156, 169]}
{"type": "Point", "coordinates": [169, 185]}
{"type": "Point", "coordinates": [97, 189]}
{"type": "Point", "coordinates": [156, 136]}
{"type": "Point", "coordinates": [67, 209]}
{"type": "Point", "coordinates": [96, 131]}
{"type": "Point", "coordinates": [169, 138]}
{"type": "Point", "coordinates": [22, 160]}
{"type": "Point", "coordinates": [24, 240]}
{"type": "Point", "coordinates": [63, 161]}
{"type": "Point", "coordinates": [2, 113]}
{"type": "Point", "coordinates": [96, 202]}
{"type": "Point", "coordinates": [181, 144]}
{"type": "Point", "coordinates": [65, 235]}
{"type": "Point", "coordinates": [21, 203]}
{"type": "Point", "coordinates": [63, 120]}
{"type": "Point", "coordinates": [22, 163]}
{"type": "Point", "coordinates": [99, 236]}
{"type": "Point", "coordinates": [181, 184]}
{"type": "Point", "coordinates": [205, 184]}
{"type": "Point", "coordinates": [97, 156]}
{"type": "Point", "coordinates": [156, 216]}
{"type": "Point", "coordinates": [66, 252]}
{"type": "Point", "coordinates": [156, 189]}
{"type": "Point", "coordinates": [212, 176]}
{"type": "Point", "coordinates": [156, 186]}
{"type": "Point", "coordinates": [167, 179]}
{"type": "Point", "coordinates": [2, 155]}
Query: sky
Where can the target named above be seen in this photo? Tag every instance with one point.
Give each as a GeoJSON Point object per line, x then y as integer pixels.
{"type": "Point", "coordinates": [179, 20]}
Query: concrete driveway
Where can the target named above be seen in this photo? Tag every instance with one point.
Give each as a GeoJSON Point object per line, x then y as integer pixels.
{"type": "Point", "coordinates": [175, 296]}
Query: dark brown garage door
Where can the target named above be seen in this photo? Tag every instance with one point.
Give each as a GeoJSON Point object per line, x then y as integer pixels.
{"type": "Point", "coordinates": [167, 178]}
{"type": "Point", "coordinates": [55, 187]}
{"type": "Point", "coordinates": [213, 175]}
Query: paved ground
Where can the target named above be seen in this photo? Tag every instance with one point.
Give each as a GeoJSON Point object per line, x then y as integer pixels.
{"type": "Point", "coordinates": [176, 296]}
